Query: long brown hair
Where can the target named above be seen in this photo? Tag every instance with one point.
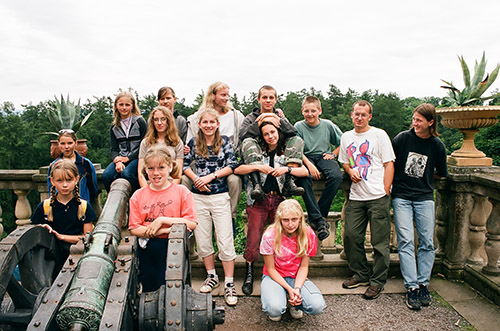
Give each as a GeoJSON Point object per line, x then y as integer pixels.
{"type": "Point", "coordinates": [428, 111]}
{"type": "Point", "coordinates": [67, 170]}
{"type": "Point", "coordinates": [171, 137]}
{"type": "Point", "coordinates": [116, 113]}
{"type": "Point", "coordinates": [201, 142]}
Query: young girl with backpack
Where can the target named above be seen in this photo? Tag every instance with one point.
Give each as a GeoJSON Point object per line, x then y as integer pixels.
{"type": "Point", "coordinates": [65, 214]}
{"type": "Point", "coordinates": [287, 246]}
{"type": "Point", "coordinates": [214, 160]}
{"type": "Point", "coordinates": [153, 210]}
{"type": "Point", "coordinates": [88, 179]}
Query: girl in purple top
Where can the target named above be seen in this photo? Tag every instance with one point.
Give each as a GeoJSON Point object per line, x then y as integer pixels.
{"type": "Point", "coordinates": [287, 246]}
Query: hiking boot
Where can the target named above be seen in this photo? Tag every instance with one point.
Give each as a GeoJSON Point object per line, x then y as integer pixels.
{"type": "Point", "coordinates": [290, 188]}
{"type": "Point", "coordinates": [257, 193]}
{"type": "Point", "coordinates": [209, 284]}
{"type": "Point", "coordinates": [247, 287]}
{"type": "Point", "coordinates": [372, 292]}
{"type": "Point", "coordinates": [353, 283]}
{"type": "Point", "coordinates": [275, 319]}
{"type": "Point", "coordinates": [424, 296]}
{"type": "Point", "coordinates": [230, 294]}
{"type": "Point", "coordinates": [322, 229]}
{"type": "Point", "coordinates": [412, 299]}
{"type": "Point", "coordinates": [296, 312]}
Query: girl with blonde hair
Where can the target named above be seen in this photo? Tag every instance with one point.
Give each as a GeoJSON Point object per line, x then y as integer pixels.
{"type": "Point", "coordinates": [64, 213]}
{"type": "Point", "coordinates": [287, 246]}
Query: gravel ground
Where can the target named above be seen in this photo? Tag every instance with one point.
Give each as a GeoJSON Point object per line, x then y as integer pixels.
{"type": "Point", "coordinates": [348, 312]}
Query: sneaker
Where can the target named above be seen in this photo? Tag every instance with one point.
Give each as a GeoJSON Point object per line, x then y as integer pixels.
{"type": "Point", "coordinates": [424, 295]}
{"type": "Point", "coordinates": [412, 299]}
{"type": "Point", "coordinates": [353, 283]}
{"type": "Point", "coordinates": [275, 319]}
{"type": "Point", "coordinates": [296, 312]}
{"type": "Point", "coordinates": [372, 292]}
{"type": "Point", "coordinates": [209, 284]}
{"type": "Point", "coordinates": [230, 294]}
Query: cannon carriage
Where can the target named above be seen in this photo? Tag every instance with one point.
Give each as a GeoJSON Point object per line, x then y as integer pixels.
{"type": "Point", "coordinates": [97, 287]}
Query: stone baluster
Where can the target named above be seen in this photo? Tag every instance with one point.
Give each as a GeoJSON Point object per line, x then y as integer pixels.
{"type": "Point", "coordinates": [477, 227]}
{"type": "Point", "coordinates": [441, 223]}
{"type": "Point", "coordinates": [346, 189]}
{"type": "Point", "coordinates": [492, 245]}
{"type": "Point", "coordinates": [1, 225]}
{"type": "Point", "coordinates": [23, 208]}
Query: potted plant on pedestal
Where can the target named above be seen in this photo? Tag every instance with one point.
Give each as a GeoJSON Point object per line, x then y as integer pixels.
{"type": "Point", "coordinates": [66, 116]}
{"type": "Point", "coordinates": [467, 113]}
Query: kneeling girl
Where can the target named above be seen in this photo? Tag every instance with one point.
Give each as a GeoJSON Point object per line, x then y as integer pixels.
{"type": "Point", "coordinates": [287, 246]}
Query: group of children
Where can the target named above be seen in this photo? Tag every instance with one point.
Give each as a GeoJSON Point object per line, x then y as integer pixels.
{"type": "Point", "coordinates": [153, 157]}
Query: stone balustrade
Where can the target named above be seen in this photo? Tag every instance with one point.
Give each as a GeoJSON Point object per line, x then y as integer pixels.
{"type": "Point", "coordinates": [467, 232]}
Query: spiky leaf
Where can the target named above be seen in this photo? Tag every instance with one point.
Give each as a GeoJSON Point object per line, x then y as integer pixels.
{"type": "Point", "coordinates": [465, 71]}
{"type": "Point", "coordinates": [479, 72]}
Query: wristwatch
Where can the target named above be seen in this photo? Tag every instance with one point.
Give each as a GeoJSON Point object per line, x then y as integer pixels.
{"type": "Point", "coordinates": [215, 175]}
{"type": "Point", "coordinates": [289, 170]}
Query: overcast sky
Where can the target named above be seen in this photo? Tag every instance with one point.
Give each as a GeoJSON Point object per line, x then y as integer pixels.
{"type": "Point", "coordinates": [93, 48]}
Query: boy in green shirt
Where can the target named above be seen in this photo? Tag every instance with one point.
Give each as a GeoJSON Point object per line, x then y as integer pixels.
{"type": "Point", "coordinates": [319, 135]}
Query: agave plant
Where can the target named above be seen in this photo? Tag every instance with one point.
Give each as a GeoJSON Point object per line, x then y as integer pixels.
{"type": "Point", "coordinates": [65, 116]}
{"type": "Point", "coordinates": [475, 87]}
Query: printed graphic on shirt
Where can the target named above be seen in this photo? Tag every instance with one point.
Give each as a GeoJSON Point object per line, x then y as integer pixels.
{"type": "Point", "coordinates": [362, 160]}
{"type": "Point", "coordinates": [156, 210]}
{"type": "Point", "coordinates": [415, 165]}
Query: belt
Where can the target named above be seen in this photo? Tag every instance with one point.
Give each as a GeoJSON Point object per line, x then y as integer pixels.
{"type": "Point", "coordinates": [272, 193]}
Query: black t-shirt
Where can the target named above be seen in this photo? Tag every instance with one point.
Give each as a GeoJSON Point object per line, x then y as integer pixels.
{"type": "Point", "coordinates": [417, 160]}
{"type": "Point", "coordinates": [65, 217]}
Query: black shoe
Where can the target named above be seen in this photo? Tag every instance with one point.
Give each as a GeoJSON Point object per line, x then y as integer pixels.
{"type": "Point", "coordinates": [290, 188]}
{"type": "Point", "coordinates": [412, 299]}
{"type": "Point", "coordinates": [247, 287]}
{"type": "Point", "coordinates": [322, 229]}
{"type": "Point", "coordinates": [424, 295]}
{"type": "Point", "coordinates": [257, 193]}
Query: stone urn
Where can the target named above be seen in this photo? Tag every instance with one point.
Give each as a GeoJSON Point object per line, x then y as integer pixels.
{"type": "Point", "coordinates": [469, 120]}
{"type": "Point", "coordinates": [81, 148]}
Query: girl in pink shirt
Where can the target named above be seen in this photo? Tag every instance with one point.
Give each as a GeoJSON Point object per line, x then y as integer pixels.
{"type": "Point", "coordinates": [153, 210]}
{"type": "Point", "coordinates": [287, 246]}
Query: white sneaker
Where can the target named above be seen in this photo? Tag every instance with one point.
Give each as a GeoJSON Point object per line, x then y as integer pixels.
{"type": "Point", "coordinates": [209, 284]}
{"type": "Point", "coordinates": [230, 294]}
{"type": "Point", "coordinates": [296, 313]}
{"type": "Point", "coordinates": [275, 319]}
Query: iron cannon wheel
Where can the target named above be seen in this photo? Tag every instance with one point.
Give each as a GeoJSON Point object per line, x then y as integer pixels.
{"type": "Point", "coordinates": [32, 249]}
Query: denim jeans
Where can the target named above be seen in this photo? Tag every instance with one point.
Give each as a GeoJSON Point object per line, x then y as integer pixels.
{"type": "Point", "coordinates": [274, 297]}
{"type": "Point", "coordinates": [257, 216]}
{"type": "Point", "coordinates": [129, 173]}
{"type": "Point", "coordinates": [415, 271]}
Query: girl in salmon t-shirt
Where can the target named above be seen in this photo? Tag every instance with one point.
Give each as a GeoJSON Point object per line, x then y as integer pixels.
{"type": "Point", "coordinates": [153, 210]}
{"type": "Point", "coordinates": [287, 246]}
